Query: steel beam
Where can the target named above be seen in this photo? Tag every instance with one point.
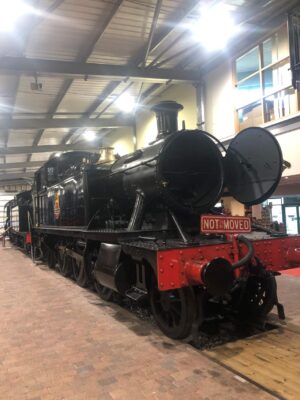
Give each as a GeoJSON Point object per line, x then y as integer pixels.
{"type": "Point", "coordinates": [149, 93]}
{"type": "Point", "coordinates": [10, 177]}
{"type": "Point", "coordinates": [77, 132]}
{"type": "Point", "coordinates": [21, 165]}
{"type": "Point", "coordinates": [158, 38]}
{"type": "Point", "coordinates": [48, 149]}
{"type": "Point", "coordinates": [83, 56]}
{"type": "Point", "coordinates": [41, 15]}
{"type": "Point", "coordinates": [57, 123]}
{"type": "Point", "coordinates": [99, 31]}
{"type": "Point", "coordinates": [93, 107]}
{"type": "Point", "coordinates": [32, 66]}
{"type": "Point", "coordinates": [37, 19]}
{"type": "Point", "coordinates": [152, 30]}
{"type": "Point", "coordinates": [10, 186]}
{"type": "Point", "coordinates": [169, 28]}
{"type": "Point", "coordinates": [261, 15]}
{"type": "Point", "coordinates": [144, 99]}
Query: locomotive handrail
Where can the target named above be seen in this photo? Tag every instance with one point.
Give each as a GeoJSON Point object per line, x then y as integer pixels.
{"type": "Point", "coordinates": [269, 231]}
{"type": "Point", "coordinates": [133, 166]}
{"type": "Point", "coordinates": [216, 139]}
{"type": "Point", "coordinates": [178, 227]}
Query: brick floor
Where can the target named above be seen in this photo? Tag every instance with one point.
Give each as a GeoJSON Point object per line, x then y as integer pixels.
{"type": "Point", "coordinates": [289, 295]}
{"type": "Point", "coordinates": [58, 341]}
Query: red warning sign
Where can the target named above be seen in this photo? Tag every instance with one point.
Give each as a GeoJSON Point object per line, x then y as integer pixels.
{"type": "Point", "coordinates": [222, 224]}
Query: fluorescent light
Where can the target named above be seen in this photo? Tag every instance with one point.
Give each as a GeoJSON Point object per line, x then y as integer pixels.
{"type": "Point", "coordinates": [10, 12]}
{"type": "Point", "coordinates": [89, 135]}
{"type": "Point", "coordinates": [126, 103]}
{"type": "Point", "coordinates": [215, 27]}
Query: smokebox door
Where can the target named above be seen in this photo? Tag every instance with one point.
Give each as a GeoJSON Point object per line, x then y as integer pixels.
{"type": "Point", "coordinates": [253, 165]}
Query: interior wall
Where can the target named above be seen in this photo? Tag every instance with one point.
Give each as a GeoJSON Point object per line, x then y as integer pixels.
{"type": "Point", "coordinates": [184, 94]}
{"type": "Point", "coordinates": [290, 146]}
{"type": "Point", "coordinates": [287, 190]}
{"type": "Point", "coordinates": [220, 115]}
{"type": "Point", "coordinates": [233, 207]}
{"type": "Point", "coordinates": [219, 101]}
{"type": "Point", "coordinates": [121, 140]}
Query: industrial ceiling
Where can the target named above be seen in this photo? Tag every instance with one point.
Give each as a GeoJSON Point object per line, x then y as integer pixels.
{"type": "Point", "coordinates": [67, 62]}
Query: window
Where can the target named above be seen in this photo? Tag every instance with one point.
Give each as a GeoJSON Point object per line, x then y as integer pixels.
{"type": "Point", "coordinates": [294, 41]}
{"type": "Point", "coordinates": [264, 82]}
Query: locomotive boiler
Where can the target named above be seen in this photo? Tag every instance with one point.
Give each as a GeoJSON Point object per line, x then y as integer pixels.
{"type": "Point", "coordinates": [132, 227]}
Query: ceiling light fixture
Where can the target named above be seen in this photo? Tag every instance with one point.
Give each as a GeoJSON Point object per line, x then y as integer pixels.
{"type": "Point", "coordinates": [215, 27]}
{"type": "Point", "coordinates": [89, 135]}
{"type": "Point", "coordinates": [10, 12]}
{"type": "Point", "coordinates": [126, 103]}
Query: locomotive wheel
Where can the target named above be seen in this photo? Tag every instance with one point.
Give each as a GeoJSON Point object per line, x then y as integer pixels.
{"type": "Point", "coordinates": [79, 273]}
{"type": "Point", "coordinates": [51, 258]}
{"type": "Point", "coordinates": [260, 296]}
{"type": "Point", "coordinates": [173, 311]}
{"type": "Point", "coordinates": [65, 265]}
{"type": "Point", "coordinates": [104, 292]}
{"type": "Point", "coordinates": [28, 248]}
{"type": "Point", "coordinates": [37, 253]}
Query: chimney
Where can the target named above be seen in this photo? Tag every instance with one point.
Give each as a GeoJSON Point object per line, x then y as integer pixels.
{"type": "Point", "coordinates": [166, 116]}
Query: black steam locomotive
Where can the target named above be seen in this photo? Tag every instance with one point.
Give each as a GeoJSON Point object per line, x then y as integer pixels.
{"type": "Point", "coordinates": [19, 219]}
{"type": "Point", "coordinates": [132, 227]}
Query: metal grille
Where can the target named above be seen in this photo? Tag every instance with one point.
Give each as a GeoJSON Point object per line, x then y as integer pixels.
{"type": "Point", "coordinates": [294, 39]}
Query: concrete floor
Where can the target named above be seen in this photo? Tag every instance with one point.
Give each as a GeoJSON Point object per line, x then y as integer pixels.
{"type": "Point", "coordinates": [59, 341]}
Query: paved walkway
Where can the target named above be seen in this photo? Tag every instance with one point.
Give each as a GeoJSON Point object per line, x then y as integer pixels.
{"type": "Point", "coordinates": [58, 341]}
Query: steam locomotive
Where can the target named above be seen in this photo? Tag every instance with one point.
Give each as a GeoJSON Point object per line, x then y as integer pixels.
{"type": "Point", "coordinates": [18, 222]}
{"type": "Point", "coordinates": [132, 227]}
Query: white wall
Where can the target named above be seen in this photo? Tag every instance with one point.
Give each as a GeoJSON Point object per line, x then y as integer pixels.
{"type": "Point", "coordinates": [219, 101]}
{"type": "Point", "coordinates": [122, 139]}
{"type": "Point", "coordinates": [290, 146]}
{"type": "Point", "coordinates": [184, 94]}
{"type": "Point", "coordinates": [220, 115]}
{"type": "Point", "coordinates": [233, 206]}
